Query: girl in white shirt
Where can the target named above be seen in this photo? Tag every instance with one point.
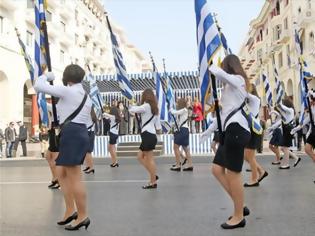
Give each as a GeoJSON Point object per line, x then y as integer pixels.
{"type": "Point", "coordinates": [150, 123]}
{"type": "Point", "coordinates": [181, 136]}
{"type": "Point", "coordinates": [257, 172]}
{"type": "Point", "coordinates": [74, 141]}
{"type": "Point", "coordinates": [286, 111]}
{"type": "Point", "coordinates": [114, 118]}
{"type": "Point", "coordinates": [276, 137]}
{"type": "Point", "coordinates": [229, 158]}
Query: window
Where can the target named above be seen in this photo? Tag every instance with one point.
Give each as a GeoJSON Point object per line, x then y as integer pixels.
{"type": "Point", "coordinates": [29, 38]}
{"type": "Point", "coordinates": [76, 39]}
{"type": "Point", "coordinates": [288, 56]}
{"type": "Point", "coordinates": [277, 32]}
{"type": "Point", "coordinates": [261, 35]}
{"type": "Point", "coordinates": [277, 8]}
{"type": "Point", "coordinates": [101, 52]}
{"type": "Point", "coordinates": [63, 25]}
{"type": "Point", "coordinates": [94, 49]}
{"type": "Point", "coordinates": [259, 54]}
{"type": "Point", "coordinates": [286, 2]}
{"type": "Point", "coordinates": [1, 25]}
{"type": "Point", "coordinates": [76, 17]}
{"type": "Point", "coordinates": [76, 61]}
{"type": "Point", "coordinates": [280, 60]}
{"type": "Point", "coordinates": [48, 15]}
{"type": "Point", "coordinates": [62, 56]}
{"type": "Point", "coordinates": [285, 23]}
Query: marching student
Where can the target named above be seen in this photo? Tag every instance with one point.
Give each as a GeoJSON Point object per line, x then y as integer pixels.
{"type": "Point", "coordinates": [74, 109]}
{"type": "Point", "coordinates": [181, 136]}
{"type": "Point", "coordinates": [310, 137]}
{"type": "Point", "coordinates": [229, 158]}
{"type": "Point", "coordinates": [286, 110]}
{"type": "Point", "coordinates": [150, 123]}
{"type": "Point", "coordinates": [276, 136]}
{"type": "Point", "coordinates": [257, 172]}
{"type": "Point", "coordinates": [91, 131]}
{"type": "Point", "coordinates": [114, 118]}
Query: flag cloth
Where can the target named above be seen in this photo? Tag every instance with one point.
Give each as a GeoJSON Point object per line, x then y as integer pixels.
{"type": "Point", "coordinates": [279, 88]}
{"type": "Point", "coordinates": [303, 98]}
{"type": "Point", "coordinates": [161, 98]}
{"type": "Point", "coordinates": [121, 73]}
{"type": "Point", "coordinates": [267, 89]}
{"type": "Point", "coordinates": [208, 41]}
{"type": "Point", "coordinates": [40, 57]}
{"type": "Point", "coordinates": [227, 49]}
{"type": "Point", "coordinates": [27, 59]}
{"type": "Point", "coordinates": [170, 98]}
{"type": "Point", "coordinates": [95, 95]}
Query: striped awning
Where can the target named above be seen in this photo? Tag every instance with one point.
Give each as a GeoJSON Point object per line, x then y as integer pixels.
{"type": "Point", "coordinates": [139, 82]}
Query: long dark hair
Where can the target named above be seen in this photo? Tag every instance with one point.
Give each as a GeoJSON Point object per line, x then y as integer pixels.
{"type": "Point", "coordinates": [287, 101]}
{"type": "Point", "coordinates": [149, 97]}
{"type": "Point", "coordinates": [232, 65]}
{"type": "Point", "coordinates": [115, 112]}
{"type": "Point", "coordinates": [181, 103]}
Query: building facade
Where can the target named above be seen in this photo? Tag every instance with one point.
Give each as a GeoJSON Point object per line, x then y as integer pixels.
{"type": "Point", "coordinates": [271, 38]}
{"type": "Point", "coordinates": [78, 33]}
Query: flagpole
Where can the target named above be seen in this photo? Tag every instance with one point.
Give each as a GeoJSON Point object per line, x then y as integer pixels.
{"type": "Point", "coordinates": [48, 61]}
{"type": "Point", "coordinates": [167, 101]}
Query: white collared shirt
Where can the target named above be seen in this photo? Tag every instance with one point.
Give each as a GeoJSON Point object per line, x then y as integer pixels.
{"type": "Point", "coordinates": [70, 98]}
{"type": "Point", "coordinates": [182, 116]}
{"type": "Point", "coordinates": [112, 119]}
{"type": "Point", "coordinates": [233, 95]}
{"type": "Point", "coordinates": [146, 114]}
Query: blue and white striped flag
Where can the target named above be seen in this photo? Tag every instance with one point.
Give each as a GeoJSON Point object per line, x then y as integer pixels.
{"type": "Point", "coordinates": [225, 45]}
{"type": "Point", "coordinates": [267, 89]}
{"type": "Point", "coordinates": [279, 89]}
{"type": "Point", "coordinates": [40, 57]}
{"type": "Point", "coordinates": [303, 98]}
{"type": "Point", "coordinates": [121, 72]}
{"type": "Point", "coordinates": [170, 97]}
{"type": "Point", "coordinates": [161, 98]}
{"type": "Point", "coordinates": [95, 95]}
{"type": "Point", "coordinates": [209, 41]}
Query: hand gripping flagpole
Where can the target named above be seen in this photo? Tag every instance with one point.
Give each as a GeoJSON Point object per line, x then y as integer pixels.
{"type": "Point", "coordinates": [167, 101]}
{"type": "Point", "coordinates": [48, 61]}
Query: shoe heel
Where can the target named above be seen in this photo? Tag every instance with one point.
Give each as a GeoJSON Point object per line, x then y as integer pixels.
{"type": "Point", "coordinates": [87, 224]}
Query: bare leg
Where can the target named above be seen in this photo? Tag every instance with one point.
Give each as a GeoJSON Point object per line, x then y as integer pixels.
{"type": "Point", "coordinates": [276, 151]}
{"type": "Point", "coordinates": [214, 147]}
{"type": "Point", "coordinates": [66, 186]}
{"type": "Point", "coordinates": [188, 156]}
{"type": "Point", "coordinates": [78, 191]}
{"type": "Point", "coordinates": [112, 151]}
{"type": "Point", "coordinates": [89, 160]}
{"type": "Point", "coordinates": [250, 158]}
{"type": "Point", "coordinates": [234, 180]}
{"type": "Point", "coordinates": [291, 154]}
{"type": "Point", "coordinates": [309, 151]}
{"type": "Point", "coordinates": [51, 159]}
{"type": "Point", "coordinates": [285, 160]}
{"type": "Point", "coordinates": [177, 155]}
{"type": "Point", "coordinates": [142, 160]}
{"type": "Point", "coordinates": [151, 166]}
{"type": "Point", "coordinates": [220, 174]}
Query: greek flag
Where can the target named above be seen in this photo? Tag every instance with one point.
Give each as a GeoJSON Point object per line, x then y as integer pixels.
{"type": "Point", "coordinates": [209, 41]}
{"type": "Point", "coordinates": [170, 97]}
{"type": "Point", "coordinates": [161, 99]}
{"type": "Point", "coordinates": [267, 89]}
{"type": "Point", "coordinates": [303, 98]}
{"type": "Point", "coordinates": [279, 89]}
{"type": "Point", "coordinates": [121, 73]}
{"type": "Point", "coordinates": [227, 49]}
{"type": "Point", "coordinates": [40, 57]}
{"type": "Point", "coordinates": [27, 59]}
{"type": "Point", "coordinates": [95, 95]}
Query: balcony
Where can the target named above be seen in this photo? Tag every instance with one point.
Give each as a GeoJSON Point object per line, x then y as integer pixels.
{"type": "Point", "coordinates": [66, 38]}
{"type": "Point", "coordinates": [306, 17]}
{"type": "Point", "coordinates": [88, 31]}
{"type": "Point", "coordinates": [285, 36]}
{"type": "Point", "coordinates": [53, 29]}
{"type": "Point", "coordinates": [67, 10]}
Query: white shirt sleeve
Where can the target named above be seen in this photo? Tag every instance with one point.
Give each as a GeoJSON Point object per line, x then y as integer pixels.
{"type": "Point", "coordinates": [234, 80]}
{"type": "Point", "coordinates": [178, 112]}
{"type": "Point", "coordinates": [108, 116]}
{"type": "Point", "coordinates": [41, 85]}
{"type": "Point", "coordinates": [140, 109]}
{"type": "Point", "coordinates": [157, 124]}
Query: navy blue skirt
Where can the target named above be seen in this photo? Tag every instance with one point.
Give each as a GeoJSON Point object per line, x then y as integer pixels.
{"type": "Point", "coordinates": [181, 138]}
{"type": "Point", "coordinates": [276, 137]}
{"type": "Point", "coordinates": [91, 141]}
{"type": "Point", "coordinates": [74, 144]}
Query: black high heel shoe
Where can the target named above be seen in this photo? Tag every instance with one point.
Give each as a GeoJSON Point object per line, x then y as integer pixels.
{"type": "Point", "coordinates": [239, 225]}
{"type": "Point", "coordinates": [53, 183]}
{"type": "Point", "coordinates": [174, 168]}
{"type": "Point", "coordinates": [114, 165]}
{"type": "Point", "coordinates": [90, 171]}
{"type": "Point", "coordinates": [149, 186]}
{"type": "Point", "coordinates": [84, 223]}
{"type": "Point", "coordinates": [74, 216]}
{"type": "Point", "coordinates": [86, 169]}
